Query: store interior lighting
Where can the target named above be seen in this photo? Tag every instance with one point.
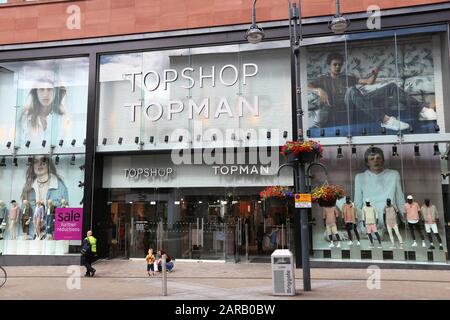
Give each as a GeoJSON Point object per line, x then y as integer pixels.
{"type": "Point", "coordinates": [84, 142]}
{"type": "Point", "coordinates": [120, 140]}
{"type": "Point", "coordinates": [152, 138]}
{"type": "Point", "coordinates": [80, 184]}
{"type": "Point", "coordinates": [268, 134]}
{"type": "Point", "coordinates": [416, 150]}
{"type": "Point", "coordinates": [338, 132]}
{"type": "Point", "coordinates": [8, 144]}
{"type": "Point", "coordinates": [180, 138]}
{"type": "Point", "coordinates": [3, 162]}
{"type": "Point", "coordinates": [322, 132]}
{"type": "Point", "coordinates": [354, 150]}
{"type": "Point", "coordinates": [27, 144]}
{"type": "Point", "coordinates": [136, 140]}
{"type": "Point", "coordinates": [104, 141]}
{"type": "Point", "coordinates": [72, 160]}
{"type": "Point", "coordinates": [436, 151]}
{"type": "Point", "coordinates": [15, 161]}
{"type": "Point", "coordinates": [339, 153]}
{"type": "Point", "coordinates": [44, 142]}
{"type": "Point", "coordinates": [57, 160]}
{"type": "Point", "coordinates": [285, 134]}
{"type": "Point", "coordinates": [394, 151]}
{"type": "Point", "coordinates": [61, 142]}
{"type": "Point", "coordinates": [73, 142]}
{"type": "Point", "coordinates": [30, 160]}
{"type": "Point", "coordinates": [214, 137]}
{"type": "Point", "coordinates": [166, 139]}
{"type": "Point", "coordinates": [233, 136]}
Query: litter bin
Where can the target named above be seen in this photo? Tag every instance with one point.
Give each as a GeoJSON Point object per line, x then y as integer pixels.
{"type": "Point", "coordinates": [283, 275]}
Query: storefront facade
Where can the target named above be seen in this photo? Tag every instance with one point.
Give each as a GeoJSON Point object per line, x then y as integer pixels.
{"type": "Point", "coordinates": [167, 142]}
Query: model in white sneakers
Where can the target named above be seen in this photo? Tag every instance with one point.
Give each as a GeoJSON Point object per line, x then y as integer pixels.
{"type": "Point", "coordinates": [412, 216]}
{"type": "Point", "coordinates": [330, 214]}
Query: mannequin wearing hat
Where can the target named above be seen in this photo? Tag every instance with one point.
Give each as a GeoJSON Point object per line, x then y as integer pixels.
{"type": "Point", "coordinates": [370, 221]}
{"type": "Point", "coordinates": [430, 215]}
{"type": "Point", "coordinates": [330, 215]}
{"type": "Point", "coordinates": [390, 219]}
{"type": "Point", "coordinates": [412, 212]}
{"type": "Point", "coordinates": [349, 215]}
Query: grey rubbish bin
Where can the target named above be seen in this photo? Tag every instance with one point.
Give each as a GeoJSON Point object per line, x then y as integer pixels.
{"type": "Point", "coordinates": [283, 274]}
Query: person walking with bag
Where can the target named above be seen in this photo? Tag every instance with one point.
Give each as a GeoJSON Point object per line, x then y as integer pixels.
{"type": "Point", "coordinates": [88, 252]}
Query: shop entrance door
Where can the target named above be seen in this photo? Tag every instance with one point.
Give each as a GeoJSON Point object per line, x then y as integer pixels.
{"type": "Point", "coordinates": [120, 230]}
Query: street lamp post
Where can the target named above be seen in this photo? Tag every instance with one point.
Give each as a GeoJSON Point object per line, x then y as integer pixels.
{"type": "Point", "coordinates": [254, 35]}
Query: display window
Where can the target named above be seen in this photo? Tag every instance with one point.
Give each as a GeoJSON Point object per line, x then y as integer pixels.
{"type": "Point", "coordinates": [232, 95]}
{"type": "Point", "coordinates": [394, 208]}
{"type": "Point", "coordinates": [42, 134]}
{"type": "Point", "coordinates": [375, 84]}
{"type": "Point", "coordinates": [40, 186]}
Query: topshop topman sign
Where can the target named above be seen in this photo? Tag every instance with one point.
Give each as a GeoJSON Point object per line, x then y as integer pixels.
{"type": "Point", "coordinates": [227, 76]}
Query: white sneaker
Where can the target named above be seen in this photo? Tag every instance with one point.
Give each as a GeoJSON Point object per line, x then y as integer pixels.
{"type": "Point", "coordinates": [350, 243]}
{"type": "Point", "coordinates": [414, 244]}
{"type": "Point", "coordinates": [339, 244]}
{"type": "Point", "coordinates": [423, 243]}
{"type": "Point", "coordinates": [331, 245]}
{"type": "Point", "coordinates": [427, 114]}
{"type": "Point", "coordinates": [358, 243]}
{"type": "Point", "coordinates": [394, 124]}
{"type": "Point", "coordinates": [380, 246]}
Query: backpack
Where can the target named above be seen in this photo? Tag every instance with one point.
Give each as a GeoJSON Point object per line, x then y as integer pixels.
{"type": "Point", "coordinates": [86, 247]}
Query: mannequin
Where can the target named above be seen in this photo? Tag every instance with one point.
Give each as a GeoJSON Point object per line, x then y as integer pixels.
{"type": "Point", "coordinates": [329, 219]}
{"type": "Point", "coordinates": [50, 218]}
{"type": "Point", "coordinates": [13, 218]}
{"type": "Point", "coordinates": [430, 215]}
{"type": "Point", "coordinates": [38, 217]}
{"type": "Point", "coordinates": [349, 215]}
{"type": "Point", "coordinates": [412, 212]}
{"type": "Point", "coordinates": [390, 220]}
{"type": "Point", "coordinates": [3, 212]}
{"type": "Point", "coordinates": [26, 218]}
{"type": "Point", "coordinates": [370, 222]}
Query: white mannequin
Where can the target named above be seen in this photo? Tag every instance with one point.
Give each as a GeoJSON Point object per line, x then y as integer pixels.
{"type": "Point", "coordinates": [37, 219]}
{"type": "Point", "coordinates": [13, 218]}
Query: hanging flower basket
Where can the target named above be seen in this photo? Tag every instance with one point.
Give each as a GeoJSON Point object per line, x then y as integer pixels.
{"type": "Point", "coordinates": [276, 196]}
{"type": "Point", "coordinates": [327, 195]}
{"type": "Point", "coordinates": [302, 151]}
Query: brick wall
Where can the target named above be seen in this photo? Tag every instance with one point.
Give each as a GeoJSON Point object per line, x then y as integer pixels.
{"type": "Point", "coordinates": [44, 20]}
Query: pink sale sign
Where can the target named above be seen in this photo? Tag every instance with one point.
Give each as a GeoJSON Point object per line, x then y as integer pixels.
{"type": "Point", "coordinates": [68, 223]}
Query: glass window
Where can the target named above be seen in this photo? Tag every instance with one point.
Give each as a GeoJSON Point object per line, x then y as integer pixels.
{"type": "Point", "coordinates": [375, 86]}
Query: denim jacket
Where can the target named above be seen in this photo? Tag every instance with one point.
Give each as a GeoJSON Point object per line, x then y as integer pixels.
{"type": "Point", "coordinates": [56, 191]}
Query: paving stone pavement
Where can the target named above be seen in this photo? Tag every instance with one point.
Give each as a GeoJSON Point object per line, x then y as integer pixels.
{"type": "Point", "coordinates": [191, 280]}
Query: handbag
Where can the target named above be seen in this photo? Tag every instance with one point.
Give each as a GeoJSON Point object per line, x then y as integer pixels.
{"type": "Point", "coordinates": [28, 221]}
